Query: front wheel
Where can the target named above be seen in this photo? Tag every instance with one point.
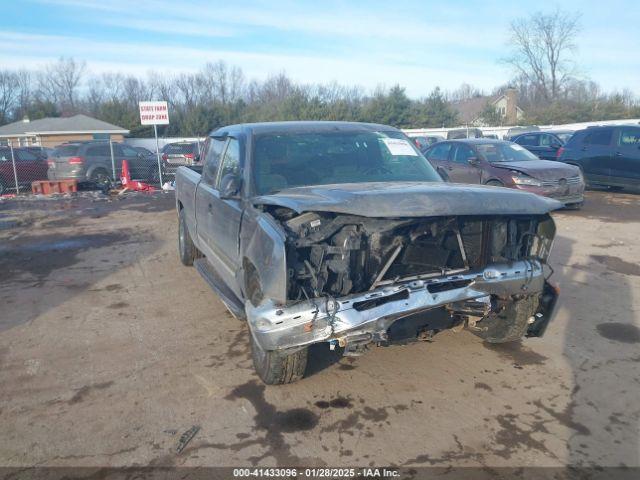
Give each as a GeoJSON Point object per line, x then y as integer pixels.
{"type": "Point", "coordinates": [511, 322]}
{"type": "Point", "coordinates": [278, 367]}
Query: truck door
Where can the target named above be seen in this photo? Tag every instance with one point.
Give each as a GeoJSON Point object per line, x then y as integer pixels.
{"type": "Point", "coordinates": [218, 219]}
{"type": "Point", "coordinates": [206, 193]}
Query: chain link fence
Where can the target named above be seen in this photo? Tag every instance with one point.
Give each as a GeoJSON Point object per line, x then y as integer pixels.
{"type": "Point", "coordinates": [93, 164]}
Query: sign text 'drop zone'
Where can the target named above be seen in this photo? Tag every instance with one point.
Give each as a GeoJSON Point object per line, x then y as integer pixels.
{"type": "Point", "coordinates": [154, 113]}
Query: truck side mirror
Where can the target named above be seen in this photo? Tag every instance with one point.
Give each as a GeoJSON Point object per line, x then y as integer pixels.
{"type": "Point", "coordinates": [230, 186]}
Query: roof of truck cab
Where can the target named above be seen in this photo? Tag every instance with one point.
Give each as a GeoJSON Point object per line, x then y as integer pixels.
{"type": "Point", "coordinates": [299, 126]}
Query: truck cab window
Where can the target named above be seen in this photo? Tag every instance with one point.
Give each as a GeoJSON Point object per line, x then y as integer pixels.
{"type": "Point", "coordinates": [231, 162]}
{"type": "Point", "coordinates": [212, 159]}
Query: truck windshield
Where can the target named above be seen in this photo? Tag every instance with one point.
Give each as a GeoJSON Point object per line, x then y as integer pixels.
{"type": "Point", "coordinates": [323, 158]}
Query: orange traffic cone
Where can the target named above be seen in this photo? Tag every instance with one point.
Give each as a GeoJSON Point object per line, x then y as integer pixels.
{"type": "Point", "coordinates": [132, 185]}
{"type": "Point", "coordinates": [125, 176]}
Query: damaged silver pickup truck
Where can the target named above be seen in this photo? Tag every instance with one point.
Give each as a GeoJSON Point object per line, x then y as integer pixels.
{"type": "Point", "coordinates": [343, 233]}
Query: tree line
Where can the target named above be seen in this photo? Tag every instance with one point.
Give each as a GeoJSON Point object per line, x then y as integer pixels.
{"type": "Point", "coordinates": [217, 95]}
{"type": "Point", "coordinates": [541, 50]}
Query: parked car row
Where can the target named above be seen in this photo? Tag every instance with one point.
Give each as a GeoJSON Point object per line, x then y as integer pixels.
{"type": "Point", "coordinates": [506, 164]}
{"type": "Point", "coordinates": [604, 156]}
{"type": "Point", "coordinates": [90, 162]}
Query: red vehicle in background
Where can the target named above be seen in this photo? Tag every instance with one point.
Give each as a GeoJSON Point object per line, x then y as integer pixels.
{"type": "Point", "coordinates": [29, 168]}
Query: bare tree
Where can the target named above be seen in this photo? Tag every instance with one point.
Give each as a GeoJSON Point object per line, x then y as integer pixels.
{"type": "Point", "coordinates": [25, 92]}
{"type": "Point", "coordinates": [463, 92]}
{"type": "Point", "coordinates": [225, 84]}
{"type": "Point", "coordinates": [541, 48]}
{"type": "Point", "coordinates": [58, 83]}
{"type": "Point", "coordinates": [9, 93]}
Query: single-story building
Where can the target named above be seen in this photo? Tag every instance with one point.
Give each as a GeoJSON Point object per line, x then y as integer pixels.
{"type": "Point", "coordinates": [50, 132]}
{"type": "Point", "coordinates": [506, 106]}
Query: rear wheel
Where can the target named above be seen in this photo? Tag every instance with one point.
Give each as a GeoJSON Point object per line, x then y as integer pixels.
{"type": "Point", "coordinates": [186, 248]}
{"type": "Point", "coordinates": [276, 367]}
{"type": "Point", "coordinates": [101, 179]}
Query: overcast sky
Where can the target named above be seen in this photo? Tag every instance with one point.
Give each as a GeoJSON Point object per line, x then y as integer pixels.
{"type": "Point", "coordinates": [417, 44]}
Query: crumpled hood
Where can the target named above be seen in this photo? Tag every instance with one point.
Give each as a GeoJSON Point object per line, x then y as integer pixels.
{"type": "Point", "coordinates": [409, 199]}
{"type": "Point", "coordinates": [540, 169]}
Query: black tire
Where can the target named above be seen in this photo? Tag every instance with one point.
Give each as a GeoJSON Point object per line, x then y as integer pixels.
{"type": "Point", "coordinates": [101, 179]}
{"type": "Point", "coordinates": [278, 367]}
{"type": "Point", "coordinates": [574, 206]}
{"type": "Point", "coordinates": [495, 183]}
{"type": "Point", "coordinates": [511, 323]}
{"type": "Point", "coordinates": [252, 287]}
{"type": "Point", "coordinates": [186, 249]}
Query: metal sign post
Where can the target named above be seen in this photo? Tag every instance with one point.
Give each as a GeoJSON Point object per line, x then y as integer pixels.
{"type": "Point", "coordinates": [155, 113]}
{"type": "Point", "coordinates": [113, 162]}
{"type": "Point", "coordinates": [155, 131]}
{"type": "Point", "coordinates": [15, 172]}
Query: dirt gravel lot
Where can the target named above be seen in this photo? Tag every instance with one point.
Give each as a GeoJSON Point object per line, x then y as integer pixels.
{"type": "Point", "coordinates": [110, 349]}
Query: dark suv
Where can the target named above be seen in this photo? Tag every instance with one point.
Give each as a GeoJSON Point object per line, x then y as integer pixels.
{"type": "Point", "coordinates": [90, 162]}
{"type": "Point", "coordinates": [607, 156]}
{"type": "Point", "coordinates": [544, 145]}
{"type": "Point", "coordinates": [506, 164]}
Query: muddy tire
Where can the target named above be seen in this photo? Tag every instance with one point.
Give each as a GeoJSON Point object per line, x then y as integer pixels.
{"type": "Point", "coordinates": [511, 323]}
{"type": "Point", "coordinates": [278, 367]}
{"type": "Point", "coordinates": [186, 248]}
{"type": "Point", "coordinates": [101, 179]}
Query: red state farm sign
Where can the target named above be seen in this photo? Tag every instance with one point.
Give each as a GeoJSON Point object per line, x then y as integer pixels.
{"type": "Point", "coordinates": [154, 113]}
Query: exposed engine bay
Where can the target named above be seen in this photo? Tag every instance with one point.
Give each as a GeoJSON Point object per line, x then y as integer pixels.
{"type": "Point", "coordinates": [337, 255]}
{"type": "Point", "coordinates": [360, 280]}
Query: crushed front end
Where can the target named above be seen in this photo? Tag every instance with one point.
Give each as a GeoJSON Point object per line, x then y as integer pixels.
{"type": "Point", "coordinates": [355, 281]}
